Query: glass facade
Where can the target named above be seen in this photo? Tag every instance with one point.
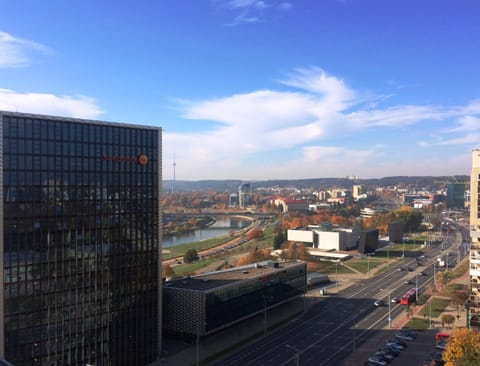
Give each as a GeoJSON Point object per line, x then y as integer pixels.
{"type": "Point", "coordinates": [229, 304]}
{"type": "Point", "coordinates": [192, 309]}
{"type": "Point", "coordinates": [81, 241]}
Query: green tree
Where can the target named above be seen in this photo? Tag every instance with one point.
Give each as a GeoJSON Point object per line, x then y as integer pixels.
{"type": "Point", "coordinates": [448, 319]}
{"type": "Point", "coordinates": [278, 239]}
{"type": "Point", "coordinates": [190, 256]}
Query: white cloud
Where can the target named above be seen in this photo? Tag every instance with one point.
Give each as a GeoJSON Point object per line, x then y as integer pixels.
{"type": "Point", "coordinates": [467, 123]}
{"type": "Point", "coordinates": [17, 52]}
{"type": "Point", "coordinates": [77, 107]}
{"type": "Point", "coordinates": [252, 11]}
{"type": "Point", "coordinates": [267, 131]}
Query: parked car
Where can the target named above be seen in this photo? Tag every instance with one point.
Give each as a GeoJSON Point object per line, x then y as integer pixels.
{"type": "Point", "coordinates": [394, 345]}
{"type": "Point", "coordinates": [393, 350]}
{"type": "Point", "coordinates": [404, 337]}
{"type": "Point", "coordinates": [379, 303]}
{"type": "Point", "coordinates": [398, 341]}
{"type": "Point", "coordinates": [377, 361]}
{"type": "Point", "coordinates": [385, 356]}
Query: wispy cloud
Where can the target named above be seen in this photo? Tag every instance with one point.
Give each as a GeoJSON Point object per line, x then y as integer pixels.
{"type": "Point", "coordinates": [300, 128]}
{"type": "Point", "coordinates": [77, 107]}
{"type": "Point", "coordinates": [252, 11]}
{"type": "Point", "coordinates": [18, 52]}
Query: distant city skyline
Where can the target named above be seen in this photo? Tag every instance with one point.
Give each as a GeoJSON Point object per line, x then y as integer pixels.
{"type": "Point", "coordinates": [259, 89]}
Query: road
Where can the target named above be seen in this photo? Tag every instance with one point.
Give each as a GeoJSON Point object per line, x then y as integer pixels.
{"type": "Point", "coordinates": [336, 325]}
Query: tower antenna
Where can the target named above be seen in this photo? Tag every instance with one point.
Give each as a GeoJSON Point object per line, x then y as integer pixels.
{"type": "Point", "coordinates": [174, 177]}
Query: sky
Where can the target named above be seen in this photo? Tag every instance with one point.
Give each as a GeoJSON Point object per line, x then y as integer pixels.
{"type": "Point", "coordinates": [259, 89]}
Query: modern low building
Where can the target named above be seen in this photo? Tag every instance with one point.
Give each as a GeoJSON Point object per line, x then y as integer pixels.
{"type": "Point", "coordinates": [204, 304]}
{"type": "Point", "coordinates": [80, 242]}
{"type": "Point", "coordinates": [331, 239]}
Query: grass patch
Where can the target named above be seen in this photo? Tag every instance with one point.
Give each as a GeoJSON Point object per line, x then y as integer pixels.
{"type": "Point", "coordinates": [461, 268]}
{"type": "Point", "coordinates": [450, 289]}
{"type": "Point", "coordinates": [422, 299]}
{"type": "Point", "coordinates": [363, 264]}
{"type": "Point", "coordinates": [328, 267]}
{"type": "Point", "coordinates": [179, 250]}
{"type": "Point", "coordinates": [438, 306]}
{"type": "Point", "coordinates": [418, 324]}
{"type": "Point", "coordinates": [192, 267]}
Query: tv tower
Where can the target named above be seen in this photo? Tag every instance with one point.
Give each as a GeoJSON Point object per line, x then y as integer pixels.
{"type": "Point", "coordinates": [174, 165]}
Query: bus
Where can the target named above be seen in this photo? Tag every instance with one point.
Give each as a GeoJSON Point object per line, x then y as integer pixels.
{"type": "Point", "coordinates": [408, 297]}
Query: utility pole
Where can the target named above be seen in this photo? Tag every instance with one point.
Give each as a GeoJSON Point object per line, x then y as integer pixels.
{"type": "Point", "coordinates": [416, 288]}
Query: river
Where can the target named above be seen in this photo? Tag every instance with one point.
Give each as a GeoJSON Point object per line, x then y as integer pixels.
{"type": "Point", "coordinates": [222, 226]}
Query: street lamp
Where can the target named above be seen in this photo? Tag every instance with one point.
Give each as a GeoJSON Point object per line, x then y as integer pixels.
{"type": "Point", "coordinates": [265, 298]}
{"type": "Point", "coordinates": [389, 311]}
{"type": "Point", "coordinates": [416, 288]}
{"type": "Point", "coordinates": [297, 355]}
{"type": "Point", "coordinates": [336, 274]}
{"type": "Point", "coordinates": [198, 343]}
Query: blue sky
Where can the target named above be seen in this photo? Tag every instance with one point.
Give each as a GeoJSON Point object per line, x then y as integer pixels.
{"type": "Point", "coordinates": [259, 89]}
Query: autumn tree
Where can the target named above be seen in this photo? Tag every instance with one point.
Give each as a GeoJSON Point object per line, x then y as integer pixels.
{"type": "Point", "coordinates": [256, 234]}
{"type": "Point", "coordinates": [254, 255]}
{"type": "Point", "coordinates": [463, 345]}
{"type": "Point", "coordinates": [167, 271]}
{"type": "Point", "coordinates": [296, 251]}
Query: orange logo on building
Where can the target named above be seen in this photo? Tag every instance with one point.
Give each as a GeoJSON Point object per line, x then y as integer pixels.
{"type": "Point", "coordinates": [142, 159]}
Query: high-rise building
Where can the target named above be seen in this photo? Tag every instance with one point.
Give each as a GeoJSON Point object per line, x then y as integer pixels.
{"type": "Point", "coordinates": [473, 305]}
{"type": "Point", "coordinates": [455, 195]}
{"type": "Point", "coordinates": [245, 195]}
{"type": "Point", "coordinates": [80, 242]}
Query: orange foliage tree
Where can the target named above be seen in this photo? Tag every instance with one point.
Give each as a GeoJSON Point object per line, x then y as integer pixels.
{"type": "Point", "coordinates": [254, 255]}
{"type": "Point", "coordinates": [463, 345]}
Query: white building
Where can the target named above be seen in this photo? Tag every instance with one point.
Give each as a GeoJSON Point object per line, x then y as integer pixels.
{"type": "Point", "coordinates": [336, 239]}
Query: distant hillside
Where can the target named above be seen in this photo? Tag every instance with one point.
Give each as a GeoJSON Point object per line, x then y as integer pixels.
{"type": "Point", "coordinates": [428, 183]}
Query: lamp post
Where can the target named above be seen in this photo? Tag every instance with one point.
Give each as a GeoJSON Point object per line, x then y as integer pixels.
{"type": "Point", "coordinates": [265, 298]}
{"type": "Point", "coordinates": [389, 311]}
{"type": "Point", "coordinates": [434, 274]}
{"type": "Point", "coordinates": [297, 354]}
{"type": "Point", "coordinates": [336, 275]}
{"type": "Point", "coordinates": [198, 344]}
{"type": "Point", "coordinates": [416, 288]}
{"type": "Point", "coordinates": [388, 256]}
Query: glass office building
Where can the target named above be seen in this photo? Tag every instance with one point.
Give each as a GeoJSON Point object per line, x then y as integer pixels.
{"type": "Point", "coordinates": [80, 242]}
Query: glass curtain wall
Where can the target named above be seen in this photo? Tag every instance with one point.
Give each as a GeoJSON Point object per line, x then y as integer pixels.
{"type": "Point", "coordinates": [81, 242]}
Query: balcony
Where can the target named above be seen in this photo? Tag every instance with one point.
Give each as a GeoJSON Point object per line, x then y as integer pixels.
{"type": "Point", "coordinates": [475, 233]}
{"type": "Point", "coordinates": [475, 321]}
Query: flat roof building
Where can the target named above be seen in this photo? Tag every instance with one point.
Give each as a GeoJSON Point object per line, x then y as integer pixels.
{"type": "Point", "coordinates": [207, 303]}
{"type": "Point", "coordinates": [80, 241]}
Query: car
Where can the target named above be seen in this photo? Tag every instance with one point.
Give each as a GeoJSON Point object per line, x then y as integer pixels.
{"type": "Point", "coordinates": [404, 337]}
{"type": "Point", "coordinates": [422, 274]}
{"type": "Point", "coordinates": [394, 345]}
{"type": "Point", "coordinates": [408, 282]}
{"type": "Point", "coordinates": [410, 269]}
{"type": "Point", "coordinates": [377, 361]}
{"type": "Point", "coordinates": [398, 341]}
{"type": "Point", "coordinates": [400, 269]}
{"type": "Point", "coordinates": [395, 351]}
{"type": "Point", "coordinates": [378, 303]}
{"type": "Point", "coordinates": [409, 331]}
{"type": "Point", "coordinates": [385, 356]}
{"type": "Point", "coordinates": [395, 300]}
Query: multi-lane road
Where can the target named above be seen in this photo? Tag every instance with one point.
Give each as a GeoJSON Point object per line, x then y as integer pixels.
{"type": "Point", "coordinates": [337, 324]}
